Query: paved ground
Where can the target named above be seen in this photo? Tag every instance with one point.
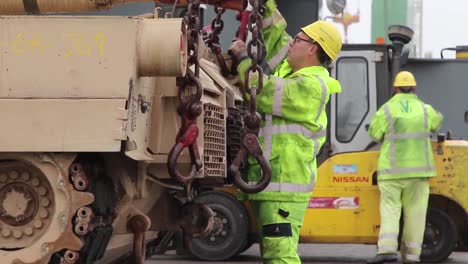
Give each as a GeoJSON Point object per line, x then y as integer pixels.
{"type": "Point", "coordinates": [310, 253]}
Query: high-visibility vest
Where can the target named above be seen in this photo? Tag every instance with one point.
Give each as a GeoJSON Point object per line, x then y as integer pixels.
{"type": "Point", "coordinates": [294, 121]}
{"type": "Point", "coordinates": [404, 125]}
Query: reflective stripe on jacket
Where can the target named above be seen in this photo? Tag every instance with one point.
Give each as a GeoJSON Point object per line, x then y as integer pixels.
{"type": "Point", "coordinates": [294, 119]}
{"type": "Point", "coordinates": [404, 125]}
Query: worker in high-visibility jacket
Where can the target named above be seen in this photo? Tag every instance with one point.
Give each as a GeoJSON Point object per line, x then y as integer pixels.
{"type": "Point", "coordinates": [296, 89]}
{"type": "Point", "coordinates": [405, 164]}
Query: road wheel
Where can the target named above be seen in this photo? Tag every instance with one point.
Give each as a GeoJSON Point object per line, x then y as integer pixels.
{"type": "Point", "coordinates": [440, 236]}
{"type": "Point", "coordinates": [229, 234]}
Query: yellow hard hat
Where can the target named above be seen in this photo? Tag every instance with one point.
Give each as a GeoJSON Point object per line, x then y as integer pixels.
{"type": "Point", "coordinates": [327, 35]}
{"type": "Point", "coordinates": [404, 79]}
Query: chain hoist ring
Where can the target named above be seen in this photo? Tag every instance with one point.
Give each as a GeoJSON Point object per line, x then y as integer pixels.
{"type": "Point", "coordinates": [252, 121]}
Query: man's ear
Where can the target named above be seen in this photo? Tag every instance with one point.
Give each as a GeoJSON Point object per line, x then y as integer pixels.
{"type": "Point", "coordinates": [312, 50]}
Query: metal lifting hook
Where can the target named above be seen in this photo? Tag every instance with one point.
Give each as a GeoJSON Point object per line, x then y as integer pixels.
{"type": "Point", "coordinates": [251, 145]}
{"type": "Point", "coordinates": [188, 133]}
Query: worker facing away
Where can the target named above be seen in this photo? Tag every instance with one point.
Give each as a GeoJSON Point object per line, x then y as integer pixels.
{"type": "Point", "coordinates": [405, 164]}
{"type": "Point", "coordinates": [296, 89]}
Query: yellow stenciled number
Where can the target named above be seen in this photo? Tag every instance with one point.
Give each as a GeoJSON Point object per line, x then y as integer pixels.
{"type": "Point", "coordinates": [35, 42]}
{"type": "Point", "coordinates": [38, 42]}
{"type": "Point", "coordinates": [77, 45]}
{"type": "Point", "coordinates": [100, 42]}
{"type": "Point", "coordinates": [81, 45]}
{"type": "Point", "coordinates": [20, 45]}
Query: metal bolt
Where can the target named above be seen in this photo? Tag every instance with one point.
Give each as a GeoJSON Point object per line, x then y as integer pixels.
{"type": "Point", "coordinates": [35, 182]}
{"type": "Point", "coordinates": [60, 181]}
{"type": "Point", "coordinates": [17, 234]}
{"type": "Point", "coordinates": [223, 233]}
{"type": "Point", "coordinates": [25, 176]}
{"type": "Point", "coordinates": [45, 249]}
{"type": "Point", "coordinates": [28, 231]}
{"type": "Point", "coordinates": [3, 177]}
{"type": "Point", "coordinates": [63, 219]}
{"type": "Point", "coordinates": [42, 191]}
{"type": "Point", "coordinates": [37, 224]}
{"type": "Point", "coordinates": [14, 175]}
{"type": "Point", "coordinates": [6, 232]}
{"type": "Point", "coordinates": [45, 202]}
{"type": "Point", "coordinates": [43, 213]}
{"type": "Point", "coordinates": [19, 218]}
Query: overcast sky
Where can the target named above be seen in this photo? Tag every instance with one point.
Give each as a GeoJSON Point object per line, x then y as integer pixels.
{"type": "Point", "coordinates": [445, 24]}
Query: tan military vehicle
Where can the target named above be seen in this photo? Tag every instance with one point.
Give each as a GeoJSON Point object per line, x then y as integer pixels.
{"type": "Point", "coordinates": [90, 110]}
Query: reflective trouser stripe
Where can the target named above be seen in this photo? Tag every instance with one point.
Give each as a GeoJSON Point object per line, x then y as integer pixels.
{"type": "Point", "coordinates": [387, 249]}
{"type": "Point", "coordinates": [391, 236]}
{"type": "Point", "coordinates": [412, 195]}
{"type": "Point", "coordinates": [392, 136]}
{"type": "Point", "coordinates": [411, 250]}
{"type": "Point", "coordinates": [388, 242]}
{"type": "Point", "coordinates": [411, 257]}
{"type": "Point", "coordinates": [412, 245]}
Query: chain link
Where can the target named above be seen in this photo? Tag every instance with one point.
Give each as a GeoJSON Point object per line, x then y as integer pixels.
{"type": "Point", "coordinates": [212, 40]}
{"type": "Point", "coordinates": [252, 120]}
{"type": "Point", "coordinates": [190, 105]}
{"type": "Point", "coordinates": [192, 21]}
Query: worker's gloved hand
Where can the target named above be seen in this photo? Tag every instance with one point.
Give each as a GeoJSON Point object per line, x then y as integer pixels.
{"type": "Point", "coordinates": [238, 50]}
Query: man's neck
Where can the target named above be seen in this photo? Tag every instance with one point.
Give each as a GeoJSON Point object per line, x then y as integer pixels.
{"type": "Point", "coordinates": [305, 65]}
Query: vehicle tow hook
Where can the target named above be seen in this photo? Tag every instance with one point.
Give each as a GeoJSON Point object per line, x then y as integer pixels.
{"type": "Point", "coordinates": [139, 225]}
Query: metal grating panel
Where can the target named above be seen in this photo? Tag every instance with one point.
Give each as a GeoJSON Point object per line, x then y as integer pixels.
{"type": "Point", "coordinates": [214, 151]}
{"type": "Point", "coordinates": [235, 129]}
{"type": "Point", "coordinates": [234, 132]}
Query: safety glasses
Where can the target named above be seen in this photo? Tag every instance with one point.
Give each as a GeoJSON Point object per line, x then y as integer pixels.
{"type": "Point", "coordinates": [301, 39]}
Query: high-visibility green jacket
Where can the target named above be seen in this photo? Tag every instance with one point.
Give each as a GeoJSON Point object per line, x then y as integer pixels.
{"type": "Point", "coordinates": [294, 121]}
{"type": "Point", "coordinates": [404, 125]}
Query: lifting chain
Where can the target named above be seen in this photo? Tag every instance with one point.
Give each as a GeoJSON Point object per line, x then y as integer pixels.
{"type": "Point", "coordinates": [197, 218]}
{"type": "Point", "coordinates": [252, 119]}
{"type": "Point", "coordinates": [217, 26]}
{"type": "Point", "coordinates": [190, 105]}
